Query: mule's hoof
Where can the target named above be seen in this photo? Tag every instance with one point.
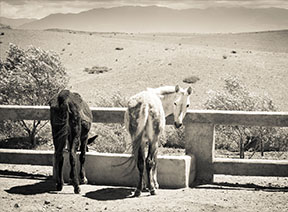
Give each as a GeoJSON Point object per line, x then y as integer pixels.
{"type": "Point", "coordinates": [84, 181]}
{"type": "Point", "coordinates": [153, 192]}
{"type": "Point", "coordinates": [77, 190]}
{"type": "Point", "coordinates": [137, 193]}
{"type": "Point", "coordinates": [59, 186]}
{"type": "Point", "coordinates": [156, 185]}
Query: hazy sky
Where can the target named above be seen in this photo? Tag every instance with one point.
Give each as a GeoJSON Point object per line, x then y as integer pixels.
{"type": "Point", "coordinates": [42, 8]}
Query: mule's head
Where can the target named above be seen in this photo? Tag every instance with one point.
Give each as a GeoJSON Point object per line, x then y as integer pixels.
{"type": "Point", "coordinates": [181, 104]}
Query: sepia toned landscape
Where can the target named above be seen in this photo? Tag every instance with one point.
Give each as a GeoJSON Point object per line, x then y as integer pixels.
{"type": "Point", "coordinates": [151, 60]}
{"type": "Point", "coordinates": [113, 53]}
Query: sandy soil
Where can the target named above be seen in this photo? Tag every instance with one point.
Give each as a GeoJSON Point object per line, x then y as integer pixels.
{"type": "Point", "coordinates": [30, 188]}
{"type": "Point", "coordinates": [152, 60]}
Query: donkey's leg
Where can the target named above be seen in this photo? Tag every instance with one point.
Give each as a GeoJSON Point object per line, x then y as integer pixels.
{"type": "Point", "coordinates": [84, 139]}
{"type": "Point", "coordinates": [140, 165]}
{"type": "Point", "coordinates": [74, 143]}
{"type": "Point", "coordinates": [58, 162]}
{"type": "Point", "coordinates": [151, 163]}
{"type": "Point", "coordinates": [73, 172]}
{"type": "Point", "coordinates": [58, 169]}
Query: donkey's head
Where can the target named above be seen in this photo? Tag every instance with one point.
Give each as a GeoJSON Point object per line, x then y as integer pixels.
{"type": "Point", "coordinates": [181, 104]}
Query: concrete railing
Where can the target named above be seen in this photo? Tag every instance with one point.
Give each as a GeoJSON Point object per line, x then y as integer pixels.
{"type": "Point", "coordinates": [199, 135]}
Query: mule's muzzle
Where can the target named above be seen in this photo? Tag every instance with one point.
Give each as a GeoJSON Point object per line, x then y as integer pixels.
{"type": "Point", "coordinates": [177, 125]}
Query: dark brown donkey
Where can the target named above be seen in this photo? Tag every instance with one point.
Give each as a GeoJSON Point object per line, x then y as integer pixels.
{"type": "Point", "coordinates": [71, 120]}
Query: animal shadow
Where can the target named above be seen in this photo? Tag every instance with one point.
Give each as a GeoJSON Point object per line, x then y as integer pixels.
{"type": "Point", "coordinates": [247, 186]}
{"type": "Point", "coordinates": [110, 194]}
{"type": "Point", "coordinates": [41, 187]}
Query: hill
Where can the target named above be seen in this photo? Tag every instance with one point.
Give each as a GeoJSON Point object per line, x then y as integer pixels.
{"type": "Point", "coordinates": [151, 60]}
{"type": "Point", "coordinates": [161, 19]}
{"type": "Point", "coordinates": [14, 23]}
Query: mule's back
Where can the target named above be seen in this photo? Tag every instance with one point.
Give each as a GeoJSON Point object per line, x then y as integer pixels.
{"type": "Point", "coordinates": [140, 106]}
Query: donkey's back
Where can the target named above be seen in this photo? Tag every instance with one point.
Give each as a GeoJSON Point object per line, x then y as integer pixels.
{"type": "Point", "coordinates": [71, 120]}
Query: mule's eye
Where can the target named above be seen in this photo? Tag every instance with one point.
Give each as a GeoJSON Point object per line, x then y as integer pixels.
{"type": "Point", "coordinates": [187, 106]}
{"type": "Point", "coordinates": [175, 103]}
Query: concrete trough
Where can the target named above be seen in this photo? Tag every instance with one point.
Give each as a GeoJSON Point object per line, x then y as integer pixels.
{"type": "Point", "coordinates": [108, 169]}
{"type": "Point", "coordinates": [21, 156]}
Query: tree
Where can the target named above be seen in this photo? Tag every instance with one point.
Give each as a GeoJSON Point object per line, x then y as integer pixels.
{"type": "Point", "coordinates": [30, 77]}
{"type": "Point", "coordinates": [235, 96]}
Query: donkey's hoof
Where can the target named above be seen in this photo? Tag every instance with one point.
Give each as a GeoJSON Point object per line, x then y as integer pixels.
{"type": "Point", "coordinates": [70, 181]}
{"type": "Point", "coordinates": [77, 190]}
{"type": "Point", "coordinates": [145, 189]}
{"type": "Point", "coordinates": [59, 186]}
{"type": "Point", "coordinates": [84, 181]}
{"type": "Point", "coordinates": [137, 193]}
{"type": "Point", "coordinates": [153, 192]}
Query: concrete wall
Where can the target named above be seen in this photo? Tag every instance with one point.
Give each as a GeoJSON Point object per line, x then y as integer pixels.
{"type": "Point", "coordinates": [248, 167]}
{"type": "Point", "coordinates": [106, 169]}
{"type": "Point", "coordinates": [32, 157]}
{"type": "Point", "coordinates": [199, 130]}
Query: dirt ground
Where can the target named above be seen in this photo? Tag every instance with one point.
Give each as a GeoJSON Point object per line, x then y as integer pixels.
{"type": "Point", "coordinates": [31, 188]}
{"type": "Point", "coordinates": [259, 60]}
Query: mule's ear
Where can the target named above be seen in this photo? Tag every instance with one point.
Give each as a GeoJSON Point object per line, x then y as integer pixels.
{"type": "Point", "coordinates": [189, 90]}
{"type": "Point", "coordinates": [177, 88]}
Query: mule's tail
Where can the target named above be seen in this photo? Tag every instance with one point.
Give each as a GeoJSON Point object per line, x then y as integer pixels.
{"type": "Point", "coordinates": [142, 122]}
{"type": "Point", "coordinates": [137, 137]}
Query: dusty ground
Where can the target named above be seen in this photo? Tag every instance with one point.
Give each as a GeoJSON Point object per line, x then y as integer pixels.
{"type": "Point", "coordinates": [30, 188]}
{"type": "Point", "coordinates": [152, 60]}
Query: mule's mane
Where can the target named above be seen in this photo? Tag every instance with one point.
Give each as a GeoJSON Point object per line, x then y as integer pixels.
{"type": "Point", "coordinates": [164, 90]}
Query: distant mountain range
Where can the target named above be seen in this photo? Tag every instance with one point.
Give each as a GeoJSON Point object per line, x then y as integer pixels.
{"type": "Point", "coordinates": [14, 23]}
{"type": "Point", "coordinates": [161, 19]}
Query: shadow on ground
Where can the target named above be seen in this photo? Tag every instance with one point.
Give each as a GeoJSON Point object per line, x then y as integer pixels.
{"type": "Point", "coordinates": [110, 194]}
{"type": "Point", "coordinates": [44, 186]}
{"type": "Point", "coordinates": [246, 186]}
{"type": "Point", "coordinates": [23, 175]}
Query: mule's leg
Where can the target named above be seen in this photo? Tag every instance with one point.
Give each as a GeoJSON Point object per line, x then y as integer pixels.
{"type": "Point", "coordinates": [151, 163]}
{"type": "Point", "coordinates": [74, 143]}
{"type": "Point", "coordinates": [140, 165]}
{"type": "Point", "coordinates": [154, 167]}
{"type": "Point", "coordinates": [83, 147]}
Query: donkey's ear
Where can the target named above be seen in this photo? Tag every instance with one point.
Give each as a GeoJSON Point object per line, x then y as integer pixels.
{"type": "Point", "coordinates": [189, 90]}
{"type": "Point", "coordinates": [177, 88]}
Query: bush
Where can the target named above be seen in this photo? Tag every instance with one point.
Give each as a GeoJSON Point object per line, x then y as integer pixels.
{"type": "Point", "coordinates": [111, 138]}
{"type": "Point", "coordinates": [235, 96]}
{"type": "Point", "coordinates": [191, 79]}
{"type": "Point", "coordinates": [97, 70]}
{"type": "Point", "coordinates": [29, 77]}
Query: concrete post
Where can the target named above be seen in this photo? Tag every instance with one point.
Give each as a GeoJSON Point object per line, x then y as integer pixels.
{"type": "Point", "coordinates": [200, 143]}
